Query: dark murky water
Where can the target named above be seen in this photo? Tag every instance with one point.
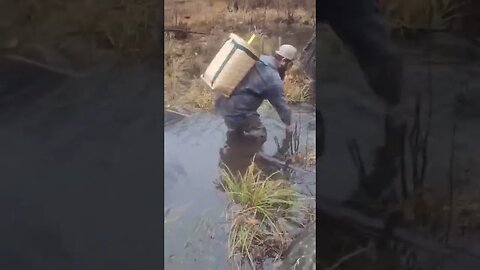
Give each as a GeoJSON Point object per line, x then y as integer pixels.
{"type": "Point", "coordinates": [80, 178]}
{"type": "Point", "coordinates": [195, 225]}
{"type": "Point", "coordinates": [351, 110]}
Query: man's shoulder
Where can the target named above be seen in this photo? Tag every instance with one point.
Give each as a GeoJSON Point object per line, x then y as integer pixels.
{"type": "Point", "coordinates": [266, 61]}
{"type": "Point", "coordinates": [266, 68]}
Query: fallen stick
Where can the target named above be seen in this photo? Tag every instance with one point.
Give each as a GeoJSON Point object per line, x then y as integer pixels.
{"type": "Point", "coordinates": [25, 60]}
{"type": "Point", "coordinates": [347, 257]}
{"type": "Point", "coordinates": [185, 31]}
{"type": "Point", "coordinates": [279, 164]}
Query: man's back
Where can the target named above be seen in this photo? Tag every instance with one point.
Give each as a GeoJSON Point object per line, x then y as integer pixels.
{"type": "Point", "coordinates": [261, 82]}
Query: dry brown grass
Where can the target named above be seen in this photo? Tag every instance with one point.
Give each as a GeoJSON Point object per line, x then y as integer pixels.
{"type": "Point", "coordinates": [199, 95]}
{"type": "Point", "coordinates": [186, 59]}
{"type": "Point", "coordinates": [297, 86]}
{"type": "Point", "coordinates": [304, 160]}
{"type": "Point", "coordinates": [183, 63]}
{"type": "Point", "coordinates": [123, 27]}
{"type": "Point", "coordinates": [208, 15]}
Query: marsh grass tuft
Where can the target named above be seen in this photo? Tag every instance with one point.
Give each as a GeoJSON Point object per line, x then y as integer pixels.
{"type": "Point", "coordinates": [261, 209]}
{"type": "Point", "coordinates": [297, 85]}
{"type": "Point", "coordinates": [198, 96]}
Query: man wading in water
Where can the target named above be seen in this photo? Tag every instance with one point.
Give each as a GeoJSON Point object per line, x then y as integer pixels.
{"type": "Point", "coordinates": [263, 82]}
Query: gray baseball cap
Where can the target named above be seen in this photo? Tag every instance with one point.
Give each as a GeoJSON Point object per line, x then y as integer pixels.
{"type": "Point", "coordinates": [287, 51]}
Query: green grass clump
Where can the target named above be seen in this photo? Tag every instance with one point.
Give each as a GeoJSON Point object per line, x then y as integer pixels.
{"type": "Point", "coordinates": [262, 205]}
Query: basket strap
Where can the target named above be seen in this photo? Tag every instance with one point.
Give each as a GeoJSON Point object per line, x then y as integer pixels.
{"type": "Point", "coordinates": [244, 49]}
{"type": "Point", "coordinates": [236, 46]}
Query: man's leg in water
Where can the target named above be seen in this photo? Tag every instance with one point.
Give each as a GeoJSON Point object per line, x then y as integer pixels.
{"type": "Point", "coordinates": [256, 130]}
{"type": "Point", "coordinates": [243, 142]}
{"type": "Point", "coordinates": [251, 127]}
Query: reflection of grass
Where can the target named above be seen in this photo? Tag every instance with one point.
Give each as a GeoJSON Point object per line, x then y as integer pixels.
{"type": "Point", "coordinates": [258, 228]}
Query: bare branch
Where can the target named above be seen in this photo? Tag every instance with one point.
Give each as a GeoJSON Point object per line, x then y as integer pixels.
{"type": "Point", "coordinates": [347, 257]}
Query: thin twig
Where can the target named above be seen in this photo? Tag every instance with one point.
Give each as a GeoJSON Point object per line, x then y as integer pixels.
{"type": "Point", "coordinates": [296, 149]}
{"type": "Point", "coordinates": [452, 152]}
{"type": "Point", "coordinates": [306, 146]}
{"type": "Point", "coordinates": [358, 161]}
{"type": "Point", "coordinates": [275, 139]}
{"type": "Point", "coordinates": [179, 113]}
{"type": "Point", "coordinates": [45, 66]}
{"type": "Point", "coordinates": [450, 178]}
{"type": "Point", "coordinates": [185, 31]}
{"type": "Point", "coordinates": [347, 257]}
{"type": "Point", "coordinates": [402, 164]}
{"type": "Point", "coordinates": [414, 141]}
{"type": "Point", "coordinates": [426, 137]}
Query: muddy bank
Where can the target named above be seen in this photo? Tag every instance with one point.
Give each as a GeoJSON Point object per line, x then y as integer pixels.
{"type": "Point", "coordinates": [84, 154]}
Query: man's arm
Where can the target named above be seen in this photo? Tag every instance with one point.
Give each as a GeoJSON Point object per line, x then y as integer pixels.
{"type": "Point", "coordinates": [276, 97]}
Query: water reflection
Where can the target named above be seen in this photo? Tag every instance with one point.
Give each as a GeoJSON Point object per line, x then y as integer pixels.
{"type": "Point", "coordinates": [240, 149]}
